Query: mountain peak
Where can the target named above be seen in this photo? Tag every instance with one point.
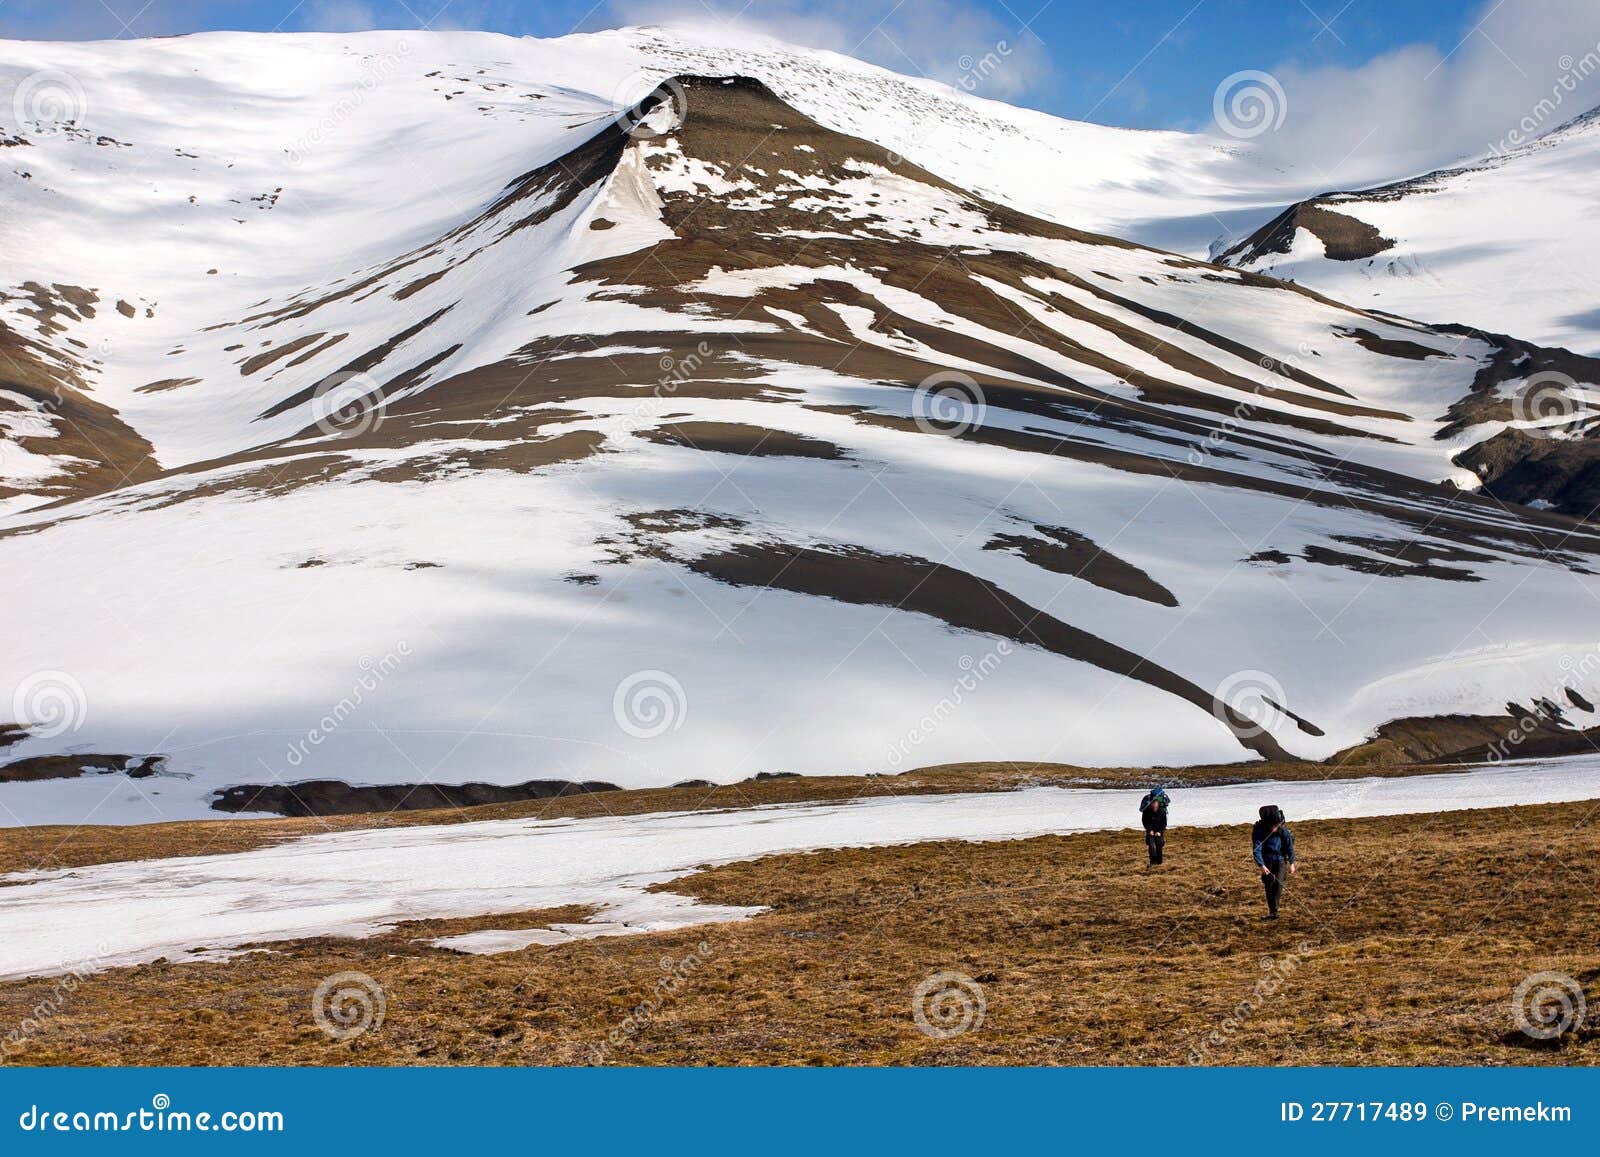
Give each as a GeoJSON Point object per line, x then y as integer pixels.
{"type": "Point", "coordinates": [484, 402]}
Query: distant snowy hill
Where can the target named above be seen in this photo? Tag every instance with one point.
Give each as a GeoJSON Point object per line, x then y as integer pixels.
{"type": "Point", "coordinates": [1508, 243]}
{"type": "Point", "coordinates": [407, 409]}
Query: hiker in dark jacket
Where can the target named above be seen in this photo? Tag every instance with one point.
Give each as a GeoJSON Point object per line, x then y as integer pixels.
{"type": "Point", "coordinates": [1153, 813]}
{"type": "Point", "coordinates": [1272, 844]}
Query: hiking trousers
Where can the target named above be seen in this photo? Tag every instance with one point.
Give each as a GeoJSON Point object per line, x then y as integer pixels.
{"type": "Point", "coordinates": [1277, 871]}
{"type": "Point", "coordinates": [1156, 843]}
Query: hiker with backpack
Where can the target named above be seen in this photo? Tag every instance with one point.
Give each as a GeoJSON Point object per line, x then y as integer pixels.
{"type": "Point", "coordinates": [1272, 844]}
{"type": "Point", "coordinates": [1153, 814]}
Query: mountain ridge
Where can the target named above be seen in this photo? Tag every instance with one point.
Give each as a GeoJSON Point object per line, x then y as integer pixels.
{"type": "Point", "coordinates": [1496, 242]}
{"type": "Point", "coordinates": [763, 423]}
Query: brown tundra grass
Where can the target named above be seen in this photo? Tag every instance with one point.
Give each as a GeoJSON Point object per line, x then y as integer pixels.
{"type": "Point", "coordinates": [1401, 943]}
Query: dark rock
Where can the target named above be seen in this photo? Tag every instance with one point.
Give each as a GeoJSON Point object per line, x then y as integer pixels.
{"type": "Point", "coordinates": [331, 797]}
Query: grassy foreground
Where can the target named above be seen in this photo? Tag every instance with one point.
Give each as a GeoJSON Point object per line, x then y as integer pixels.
{"type": "Point", "coordinates": [1402, 942]}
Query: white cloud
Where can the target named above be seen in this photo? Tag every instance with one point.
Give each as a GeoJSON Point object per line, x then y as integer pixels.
{"type": "Point", "coordinates": [1522, 68]}
{"type": "Point", "coordinates": [339, 16]}
{"type": "Point", "coordinates": [947, 40]}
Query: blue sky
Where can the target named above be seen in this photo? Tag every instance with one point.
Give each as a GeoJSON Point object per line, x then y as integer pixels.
{"type": "Point", "coordinates": [1432, 73]}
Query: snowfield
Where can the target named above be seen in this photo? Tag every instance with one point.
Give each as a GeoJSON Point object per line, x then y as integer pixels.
{"type": "Point", "coordinates": [443, 415]}
{"type": "Point", "coordinates": [363, 882]}
{"type": "Point", "coordinates": [1506, 243]}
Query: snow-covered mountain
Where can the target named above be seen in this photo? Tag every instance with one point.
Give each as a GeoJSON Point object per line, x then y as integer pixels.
{"type": "Point", "coordinates": [293, 158]}
{"type": "Point", "coordinates": [400, 409]}
{"type": "Point", "coordinates": [1506, 243]}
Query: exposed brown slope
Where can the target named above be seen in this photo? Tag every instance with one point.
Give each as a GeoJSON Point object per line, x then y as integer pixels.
{"type": "Point", "coordinates": [1343, 237]}
{"type": "Point", "coordinates": [738, 126]}
{"type": "Point", "coordinates": [99, 451]}
{"type": "Point", "coordinates": [964, 601]}
{"type": "Point", "coordinates": [1517, 467]}
{"type": "Point", "coordinates": [741, 126]}
{"type": "Point", "coordinates": [1557, 465]}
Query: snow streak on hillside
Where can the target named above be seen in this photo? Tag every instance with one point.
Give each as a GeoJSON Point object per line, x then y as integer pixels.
{"type": "Point", "coordinates": [443, 416]}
